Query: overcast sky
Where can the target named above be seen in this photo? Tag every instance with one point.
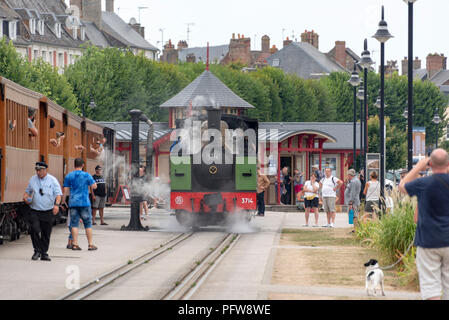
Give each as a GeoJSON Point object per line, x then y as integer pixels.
{"type": "Point", "coordinates": [348, 20]}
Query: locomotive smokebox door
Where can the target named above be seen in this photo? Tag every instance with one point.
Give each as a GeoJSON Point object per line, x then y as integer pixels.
{"type": "Point", "coordinates": [213, 199]}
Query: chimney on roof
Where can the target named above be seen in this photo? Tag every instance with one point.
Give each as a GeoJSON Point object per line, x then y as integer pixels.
{"type": "Point", "coordinates": [416, 65]}
{"type": "Point", "coordinates": [310, 37]}
{"type": "Point", "coordinates": [90, 10]}
{"type": "Point", "coordinates": [110, 5]}
{"type": "Point", "coordinates": [287, 42]}
{"type": "Point", "coordinates": [340, 53]}
{"type": "Point", "coordinates": [435, 63]}
{"type": "Point", "coordinates": [273, 49]}
{"type": "Point", "coordinates": [265, 43]}
{"type": "Point", "coordinates": [182, 44]}
{"type": "Point", "coordinates": [136, 26]}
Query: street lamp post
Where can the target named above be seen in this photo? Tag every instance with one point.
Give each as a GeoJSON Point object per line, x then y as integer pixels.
{"type": "Point", "coordinates": [354, 82]}
{"type": "Point", "coordinates": [365, 63]}
{"type": "Point", "coordinates": [437, 121]}
{"type": "Point", "coordinates": [361, 96]}
{"type": "Point", "coordinates": [410, 84]}
{"type": "Point", "coordinates": [382, 35]}
{"type": "Point", "coordinates": [136, 195]}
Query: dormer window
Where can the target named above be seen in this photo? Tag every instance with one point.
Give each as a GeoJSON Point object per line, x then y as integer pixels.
{"type": "Point", "coordinates": [58, 30]}
{"type": "Point", "coordinates": [32, 26]}
{"type": "Point", "coordinates": [41, 27]}
{"type": "Point", "coordinates": [12, 30]}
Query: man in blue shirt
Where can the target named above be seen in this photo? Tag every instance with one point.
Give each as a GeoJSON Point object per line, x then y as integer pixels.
{"type": "Point", "coordinates": [432, 217]}
{"type": "Point", "coordinates": [43, 195]}
{"type": "Point", "coordinates": [77, 183]}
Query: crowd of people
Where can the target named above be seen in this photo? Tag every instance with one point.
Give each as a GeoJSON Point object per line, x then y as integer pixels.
{"type": "Point", "coordinates": [431, 215]}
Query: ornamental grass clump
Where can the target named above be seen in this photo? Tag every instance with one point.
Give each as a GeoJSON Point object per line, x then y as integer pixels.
{"type": "Point", "coordinates": [392, 235]}
{"type": "Point", "coordinates": [397, 229]}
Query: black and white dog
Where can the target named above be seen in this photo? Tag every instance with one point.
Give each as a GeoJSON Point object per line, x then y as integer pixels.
{"type": "Point", "coordinates": [374, 277]}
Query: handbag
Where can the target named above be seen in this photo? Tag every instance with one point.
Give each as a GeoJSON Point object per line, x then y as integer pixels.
{"type": "Point", "coordinates": [310, 198]}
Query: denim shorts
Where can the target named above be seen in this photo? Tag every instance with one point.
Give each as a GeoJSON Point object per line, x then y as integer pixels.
{"type": "Point", "coordinates": [83, 213]}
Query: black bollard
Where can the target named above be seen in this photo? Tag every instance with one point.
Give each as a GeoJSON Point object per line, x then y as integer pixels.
{"type": "Point", "coordinates": [136, 197]}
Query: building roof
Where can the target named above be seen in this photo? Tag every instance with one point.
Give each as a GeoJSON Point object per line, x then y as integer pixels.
{"type": "Point", "coordinates": [304, 60]}
{"type": "Point", "coordinates": [123, 130]}
{"type": "Point", "coordinates": [7, 12]}
{"type": "Point", "coordinates": [123, 32]}
{"type": "Point", "coordinates": [339, 134]}
{"type": "Point", "coordinates": [41, 6]}
{"type": "Point", "coordinates": [440, 78]}
{"type": "Point", "coordinates": [420, 74]}
{"type": "Point", "coordinates": [216, 53]}
{"type": "Point", "coordinates": [96, 37]}
{"type": "Point", "coordinates": [206, 91]}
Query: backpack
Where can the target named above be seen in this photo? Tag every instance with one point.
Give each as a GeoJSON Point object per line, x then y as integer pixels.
{"type": "Point", "coordinates": [333, 181]}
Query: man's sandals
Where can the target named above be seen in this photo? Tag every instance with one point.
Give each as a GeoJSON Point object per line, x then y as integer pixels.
{"type": "Point", "coordinates": [90, 248]}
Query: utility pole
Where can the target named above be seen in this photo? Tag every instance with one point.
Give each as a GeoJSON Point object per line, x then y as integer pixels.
{"type": "Point", "coordinates": [190, 24]}
{"type": "Point", "coordinates": [162, 37]}
{"type": "Point", "coordinates": [141, 8]}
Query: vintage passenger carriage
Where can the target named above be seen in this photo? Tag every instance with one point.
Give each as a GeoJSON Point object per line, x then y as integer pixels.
{"type": "Point", "coordinates": [62, 137]}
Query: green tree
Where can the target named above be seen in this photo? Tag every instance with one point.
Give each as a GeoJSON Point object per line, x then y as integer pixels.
{"type": "Point", "coordinates": [38, 76]}
{"type": "Point", "coordinates": [395, 143]}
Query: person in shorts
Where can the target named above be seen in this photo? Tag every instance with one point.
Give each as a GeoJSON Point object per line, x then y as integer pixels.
{"type": "Point", "coordinates": [329, 186]}
{"type": "Point", "coordinates": [311, 199]}
{"type": "Point", "coordinates": [77, 183]}
{"type": "Point", "coordinates": [432, 218]}
{"type": "Point", "coordinates": [98, 196]}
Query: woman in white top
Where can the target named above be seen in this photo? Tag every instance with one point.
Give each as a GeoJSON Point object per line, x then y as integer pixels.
{"type": "Point", "coordinates": [311, 200]}
{"type": "Point", "coordinates": [372, 193]}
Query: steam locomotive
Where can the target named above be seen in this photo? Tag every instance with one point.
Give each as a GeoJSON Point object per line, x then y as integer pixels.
{"type": "Point", "coordinates": [210, 193]}
{"type": "Point", "coordinates": [62, 137]}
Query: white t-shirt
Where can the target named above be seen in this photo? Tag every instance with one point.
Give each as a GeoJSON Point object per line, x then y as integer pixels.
{"type": "Point", "coordinates": [329, 184]}
{"type": "Point", "coordinates": [308, 185]}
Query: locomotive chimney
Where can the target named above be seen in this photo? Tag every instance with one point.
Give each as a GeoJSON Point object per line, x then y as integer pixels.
{"type": "Point", "coordinates": [214, 118]}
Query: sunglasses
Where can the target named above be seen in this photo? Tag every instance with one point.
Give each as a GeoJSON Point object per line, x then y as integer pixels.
{"type": "Point", "coordinates": [41, 192]}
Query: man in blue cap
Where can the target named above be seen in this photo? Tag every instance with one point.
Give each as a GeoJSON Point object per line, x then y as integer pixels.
{"type": "Point", "coordinates": [44, 196]}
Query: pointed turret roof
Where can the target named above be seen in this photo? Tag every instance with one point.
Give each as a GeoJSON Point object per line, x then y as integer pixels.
{"type": "Point", "coordinates": [204, 92]}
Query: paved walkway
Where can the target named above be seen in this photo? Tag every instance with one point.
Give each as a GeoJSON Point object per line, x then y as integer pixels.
{"type": "Point", "coordinates": [245, 272]}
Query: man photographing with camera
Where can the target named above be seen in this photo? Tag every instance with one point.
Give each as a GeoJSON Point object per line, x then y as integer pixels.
{"type": "Point", "coordinates": [432, 217]}
{"type": "Point", "coordinates": [43, 195]}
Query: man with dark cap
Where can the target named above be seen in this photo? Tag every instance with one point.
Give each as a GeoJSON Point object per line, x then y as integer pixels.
{"type": "Point", "coordinates": [43, 195]}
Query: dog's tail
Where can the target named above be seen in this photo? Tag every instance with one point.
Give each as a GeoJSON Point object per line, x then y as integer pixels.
{"type": "Point", "coordinates": [370, 274]}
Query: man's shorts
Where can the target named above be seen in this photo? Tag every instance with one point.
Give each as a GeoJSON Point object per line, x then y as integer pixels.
{"type": "Point", "coordinates": [83, 213]}
{"type": "Point", "coordinates": [433, 271]}
{"type": "Point", "coordinates": [329, 204]}
{"type": "Point", "coordinates": [99, 202]}
{"type": "Point", "coordinates": [311, 203]}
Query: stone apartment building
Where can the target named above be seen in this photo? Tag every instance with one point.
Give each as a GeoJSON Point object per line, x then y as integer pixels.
{"type": "Point", "coordinates": [51, 30]}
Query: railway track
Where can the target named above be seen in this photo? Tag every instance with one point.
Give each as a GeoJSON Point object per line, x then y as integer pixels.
{"type": "Point", "coordinates": [183, 288]}
{"type": "Point", "coordinates": [192, 279]}
{"type": "Point", "coordinates": [106, 279]}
